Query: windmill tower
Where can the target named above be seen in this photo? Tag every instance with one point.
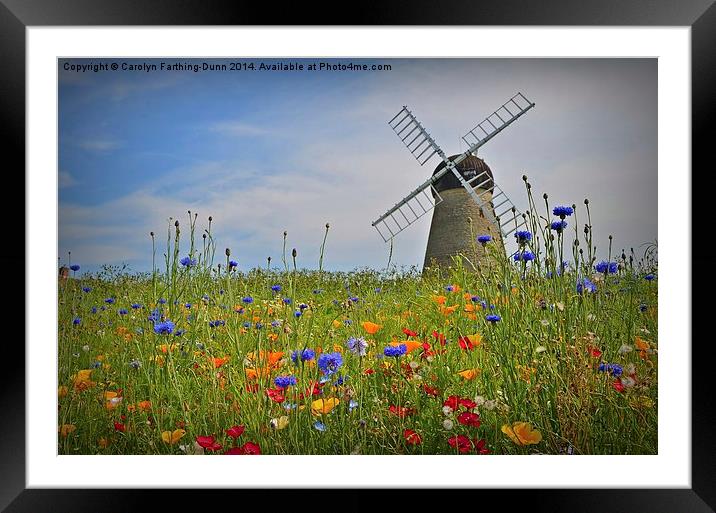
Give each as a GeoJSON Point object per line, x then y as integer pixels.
{"type": "Point", "coordinates": [466, 200]}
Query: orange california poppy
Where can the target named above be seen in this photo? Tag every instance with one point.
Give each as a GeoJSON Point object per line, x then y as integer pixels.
{"type": "Point", "coordinates": [469, 374]}
{"type": "Point", "coordinates": [371, 328]}
{"type": "Point", "coordinates": [324, 406]}
{"type": "Point", "coordinates": [522, 433]}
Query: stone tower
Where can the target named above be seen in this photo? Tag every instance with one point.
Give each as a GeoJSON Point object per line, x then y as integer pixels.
{"type": "Point", "coordinates": [458, 220]}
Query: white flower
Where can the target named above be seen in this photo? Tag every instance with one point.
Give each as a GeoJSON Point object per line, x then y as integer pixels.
{"type": "Point", "coordinates": [479, 400]}
{"type": "Point", "coordinates": [85, 348]}
{"type": "Point", "coordinates": [192, 449]}
{"type": "Point", "coordinates": [430, 359]}
{"type": "Point", "coordinates": [414, 365]}
{"type": "Point", "coordinates": [447, 424]}
{"type": "Point", "coordinates": [544, 322]}
{"type": "Point", "coordinates": [625, 348]}
{"type": "Point", "coordinates": [591, 317]}
{"type": "Point", "coordinates": [627, 381]}
{"type": "Point", "coordinates": [447, 411]}
{"type": "Point", "coordinates": [540, 349]}
{"type": "Point", "coordinates": [491, 404]}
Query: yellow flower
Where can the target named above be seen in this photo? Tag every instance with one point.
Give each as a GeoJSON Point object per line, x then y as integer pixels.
{"type": "Point", "coordinates": [66, 429]}
{"type": "Point", "coordinates": [279, 423]}
{"type": "Point", "coordinates": [82, 380]}
{"type": "Point", "coordinates": [337, 323]}
{"type": "Point", "coordinates": [522, 433]}
{"type": "Point", "coordinates": [371, 328]}
{"type": "Point", "coordinates": [103, 443]}
{"type": "Point", "coordinates": [323, 406]}
{"type": "Point", "coordinates": [172, 437]}
{"type": "Point", "coordinates": [159, 359]}
{"type": "Point", "coordinates": [469, 374]}
{"type": "Point", "coordinates": [62, 391]}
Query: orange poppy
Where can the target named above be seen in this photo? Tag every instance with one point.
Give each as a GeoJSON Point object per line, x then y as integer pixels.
{"type": "Point", "coordinates": [144, 406]}
{"type": "Point", "coordinates": [324, 406]}
{"type": "Point", "coordinates": [371, 328]}
{"type": "Point", "coordinates": [469, 374]}
{"type": "Point", "coordinates": [439, 299]}
{"type": "Point", "coordinates": [522, 433]}
{"type": "Point", "coordinates": [411, 345]}
{"type": "Point", "coordinates": [66, 429]}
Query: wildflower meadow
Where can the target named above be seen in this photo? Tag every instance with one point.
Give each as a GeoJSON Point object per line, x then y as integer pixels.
{"type": "Point", "coordinates": [544, 349]}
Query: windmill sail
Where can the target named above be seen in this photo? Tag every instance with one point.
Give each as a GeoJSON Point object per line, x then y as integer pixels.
{"type": "Point", "coordinates": [422, 146]}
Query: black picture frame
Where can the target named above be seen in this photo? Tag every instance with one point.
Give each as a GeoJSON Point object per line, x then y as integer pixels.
{"type": "Point", "coordinates": [17, 15]}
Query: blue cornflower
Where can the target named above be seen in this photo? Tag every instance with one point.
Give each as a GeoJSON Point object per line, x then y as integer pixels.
{"type": "Point", "coordinates": [484, 239]}
{"type": "Point", "coordinates": [122, 311]}
{"type": "Point", "coordinates": [585, 285]}
{"type": "Point", "coordinates": [276, 288]}
{"type": "Point", "coordinates": [136, 306]}
{"type": "Point", "coordinates": [86, 289]}
{"type": "Point", "coordinates": [378, 290]}
{"type": "Point", "coordinates": [329, 363]}
{"type": "Point", "coordinates": [606, 267]}
{"type": "Point", "coordinates": [258, 326]}
{"type": "Point", "coordinates": [155, 316]}
{"type": "Point", "coordinates": [649, 277]}
{"type": "Point", "coordinates": [493, 318]}
{"type": "Point", "coordinates": [449, 288]}
{"type": "Point", "coordinates": [96, 364]}
{"type": "Point", "coordinates": [303, 306]}
{"type": "Point", "coordinates": [75, 267]}
{"type": "Point", "coordinates": [558, 226]}
{"type": "Point", "coordinates": [248, 299]}
{"type": "Point", "coordinates": [523, 236]}
{"type": "Point", "coordinates": [164, 328]}
{"type": "Point", "coordinates": [275, 324]}
{"type": "Point", "coordinates": [317, 291]}
{"type": "Point", "coordinates": [287, 301]}
{"type": "Point", "coordinates": [347, 322]}
{"type": "Point", "coordinates": [218, 322]}
{"type": "Point", "coordinates": [320, 426]}
{"type": "Point", "coordinates": [525, 256]}
{"type": "Point", "coordinates": [354, 299]}
{"type": "Point", "coordinates": [162, 301]}
{"type": "Point", "coordinates": [395, 351]}
{"type": "Point", "coordinates": [612, 368]}
{"type": "Point", "coordinates": [352, 405]}
{"type": "Point", "coordinates": [563, 212]}
{"type": "Point", "coordinates": [103, 308]}
{"type": "Point", "coordinates": [642, 307]}
{"type": "Point", "coordinates": [341, 379]}
{"type": "Point", "coordinates": [76, 321]}
{"type": "Point", "coordinates": [187, 305]}
{"type": "Point", "coordinates": [94, 310]}
{"type": "Point", "coordinates": [474, 299]}
{"type": "Point", "coordinates": [297, 313]}
{"type": "Point", "coordinates": [188, 262]}
{"type": "Point", "coordinates": [357, 346]}
{"type": "Point", "coordinates": [179, 333]}
{"type": "Point", "coordinates": [232, 264]}
{"type": "Point", "coordinates": [306, 355]}
{"type": "Point", "coordinates": [246, 324]}
{"type": "Point", "coordinates": [284, 381]}
{"type": "Point", "coordinates": [109, 300]}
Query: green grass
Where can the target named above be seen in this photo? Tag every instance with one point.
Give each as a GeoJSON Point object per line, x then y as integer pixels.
{"type": "Point", "coordinates": [538, 364]}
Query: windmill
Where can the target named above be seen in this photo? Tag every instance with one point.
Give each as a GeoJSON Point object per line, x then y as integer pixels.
{"type": "Point", "coordinates": [470, 198]}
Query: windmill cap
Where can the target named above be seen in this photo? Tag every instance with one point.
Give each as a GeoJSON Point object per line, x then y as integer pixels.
{"type": "Point", "coordinates": [469, 168]}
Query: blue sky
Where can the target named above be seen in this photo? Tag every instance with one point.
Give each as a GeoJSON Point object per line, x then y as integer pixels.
{"type": "Point", "coordinates": [263, 152]}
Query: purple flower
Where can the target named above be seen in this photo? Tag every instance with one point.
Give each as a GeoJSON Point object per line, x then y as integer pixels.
{"type": "Point", "coordinates": [357, 346]}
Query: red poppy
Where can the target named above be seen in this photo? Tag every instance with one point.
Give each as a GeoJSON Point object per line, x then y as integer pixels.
{"type": "Point", "coordinates": [120, 427]}
{"type": "Point", "coordinates": [275, 395]}
{"type": "Point", "coordinates": [433, 391]}
{"type": "Point", "coordinates": [409, 332]}
{"type": "Point", "coordinates": [461, 443]}
{"type": "Point", "coordinates": [368, 372]}
{"type": "Point", "coordinates": [465, 343]}
{"type": "Point", "coordinates": [208, 443]}
{"type": "Point", "coordinates": [481, 446]}
{"type": "Point", "coordinates": [594, 351]}
{"type": "Point", "coordinates": [467, 403]}
{"type": "Point", "coordinates": [249, 448]}
{"type": "Point", "coordinates": [439, 337]}
{"type": "Point", "coordinates": [452, 402]}
{"type": "Point", "coordinates": [468, 418]}
{"type": "Point", "coordinates": [235, 431]}
{"type": "Point", "coordinates": [411, 437]}
{"type": "Point", "coordinates": [235, 450]}
{"type": "Point", "coordinates": [401, 411]}
{"type": "Point", "coordinates": [618, 385]}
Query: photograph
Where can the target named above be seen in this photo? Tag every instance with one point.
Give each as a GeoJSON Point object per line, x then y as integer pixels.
{"type": "Point", "coordinates": [357, 256]}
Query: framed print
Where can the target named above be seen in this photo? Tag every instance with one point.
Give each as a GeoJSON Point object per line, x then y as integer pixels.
{"type": "Point", "coordinates": [219, 261]}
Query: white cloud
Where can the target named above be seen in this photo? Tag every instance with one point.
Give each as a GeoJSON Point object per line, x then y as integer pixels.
{"type": "Point", "coordinates": [65, 179]}
{"type": "Point", "coordinates": [99, 145]}
{"type": "Point", "coordinates": [237, 128]}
